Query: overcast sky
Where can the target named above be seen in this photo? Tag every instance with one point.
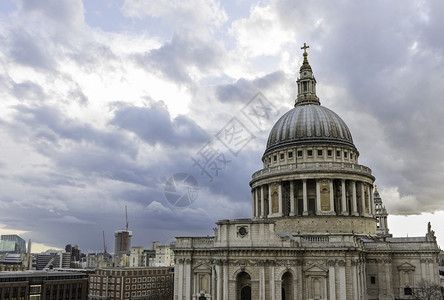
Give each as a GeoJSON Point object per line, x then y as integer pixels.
{"type": "Point", "coordinates": [103, 101]}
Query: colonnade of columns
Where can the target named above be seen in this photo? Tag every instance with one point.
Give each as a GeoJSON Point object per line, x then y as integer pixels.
{"type": "Point", "coordinates": [313, 197]}
{"type": "Point", "coordinates": [382, 223]}
{"type": "Point", "coordinates": [271, 278]}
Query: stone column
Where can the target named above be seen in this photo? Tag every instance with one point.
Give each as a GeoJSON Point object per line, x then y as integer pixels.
{"type": "Point", "coordinates": [318, 198]}
{"type": "Point", "coordinates": [304, 196]}
{"type": "Point", "coordinates": [332, 198]}
{"type": "Point", "coordinates": [262, 283]}
{"type": "Point", "coordinates": [354, 279]}
{"type": "Point", "coordinates": [359, 281]}
{"type": "Point", "coordinates": [342, 283]}
{"type": "Point", "coordinates": [364, 276]}
{"type": "Point", "coordinates": [213, 283]}
{"type": "Point", "coordinates": [196, 283]}
{"type": "Point", "coordinates": [388, 274]}
{"type": "Point", "coordinates": [423, 267]}
{"type": "Point", "coordinates": [343, 198]}
{"type": "Point", "coordinates": [332, 281]}
{"type": "Point", "coordinates": [325, 288]}
{"type": "Point", "coordinates": [299, 291]}
{"type": "Point", "coordinates": [180, 292]}
{"type": "Point", "coordinates": [362, 199]}
{"type": "Point", "coordinates": [188, 279]}
{"type": "Point", "coordinates": [354, 199]}
{"type": "Point", "coordinates": [226, 280]}
{"type": "Point", "coordinates": [431, 271]}
{"type": "Point", "coordinates": [371, 204]}
{"type": "Point", "coordinates": [272, 284]}
{"type": "Point", "coordinates": [258, 206]}
{"type": "Point", "coordinates": [219, 282]}
{"type": "Point", "coordinates": [262, 202]}
{"type": "Point", "coordinates": [292, 213]}
{"type": "Point", "coordinates": [280, 199]}
{"type": "Point", "coordinates": [381, 278]}
{"type": "Point", "coordinates": [254, 203]}
{"type": "Point", "coordinates": [270, 204]}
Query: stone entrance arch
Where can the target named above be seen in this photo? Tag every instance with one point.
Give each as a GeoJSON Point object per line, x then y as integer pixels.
{"type": "Point", "coordinates": [243, 286]}
{"type": "Point", "coordinates": [287, 286]}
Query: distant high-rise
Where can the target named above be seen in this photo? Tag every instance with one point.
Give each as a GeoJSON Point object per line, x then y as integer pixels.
{"type": "Point", "coordinates": [53, 259]}
{"type": "Point", "coordinates": [74, 251]}
{"type": "Point", "coordinates": [122, 241]}
{"type": "Point", "coordinates": [12, 243]}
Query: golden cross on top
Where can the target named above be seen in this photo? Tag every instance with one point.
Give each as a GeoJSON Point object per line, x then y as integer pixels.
{"type": "Point", "coordinates": [305, 48]}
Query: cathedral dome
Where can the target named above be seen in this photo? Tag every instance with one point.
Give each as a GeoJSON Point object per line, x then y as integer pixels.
{"type": "Point", "coordinates": [309, 124]}
{"type": "Point", "coordinates": [311, 180]}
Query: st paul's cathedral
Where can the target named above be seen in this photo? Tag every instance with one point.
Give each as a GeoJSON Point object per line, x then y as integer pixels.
{"type": "Point", "coordinates": [318, 230]}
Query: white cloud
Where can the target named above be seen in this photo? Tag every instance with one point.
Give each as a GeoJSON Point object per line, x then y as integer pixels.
{"type": "Point", "coordinates": [189, 14]}
{"type": "Point", "coordinates": [157, 207]}
{"type": "Point", "coordinates": [262, 33]}
{"type": "Point", "coordinates": [398, 204]}
{"type": "Point", "coordinates": [60, 16]}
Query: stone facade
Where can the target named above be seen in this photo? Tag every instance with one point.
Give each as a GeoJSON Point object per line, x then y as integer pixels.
{"type": "Point", "coordinates": [318, 228]}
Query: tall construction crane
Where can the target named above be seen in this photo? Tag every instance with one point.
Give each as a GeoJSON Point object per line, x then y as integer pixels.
{"type": "Point", "coordinates": [125, 235]}
{"type": "Point", "coordinates": [126, 214]}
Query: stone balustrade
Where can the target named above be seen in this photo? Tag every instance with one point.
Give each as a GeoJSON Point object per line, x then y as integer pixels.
{"type": "Point", "coordinates": [296, 241]}
{"type": "Point", "coordinates": [315, 239]}
{"type": "Point", "coordinates": [195, 242]}
{"type": "Point", "coordinates": [313, 167]}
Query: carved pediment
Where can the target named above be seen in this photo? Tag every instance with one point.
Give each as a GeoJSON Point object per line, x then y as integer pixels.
{"type": "Point", "coordinates": [406, 267]}
{"type": "Point", "coordinates": [315, 270]}
{"type": "Point", "coordinates": [202, 268]}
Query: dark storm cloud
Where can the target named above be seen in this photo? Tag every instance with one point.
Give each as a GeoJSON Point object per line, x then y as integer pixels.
{"type": "Point", "coordinates": [243, 89]}
{"type": "Point", "coordinates": [100, 162]}
{"type": "Point", "coordinates": [49, 123]}
{"type": "Point", "coordinates": [237, 174]}
{"type": "Point", "coordinates": [389, 57]}
{"type": "Point", "coordinates": [154, 125]}
{"type": "Point", "coordinates": [176, 59]}
{"type": "Point", "coordinates": [76, 146]}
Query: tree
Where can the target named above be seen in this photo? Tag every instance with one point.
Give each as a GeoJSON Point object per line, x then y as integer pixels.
{"type": "Point", "coordinates": [426, 290]}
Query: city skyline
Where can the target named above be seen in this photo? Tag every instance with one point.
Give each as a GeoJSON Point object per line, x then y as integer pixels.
{"type": "Point", "coordinates": [104, 101]}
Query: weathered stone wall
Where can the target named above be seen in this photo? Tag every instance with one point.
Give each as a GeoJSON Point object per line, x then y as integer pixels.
{"type": "Point", "coordinates": [327, 224]}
